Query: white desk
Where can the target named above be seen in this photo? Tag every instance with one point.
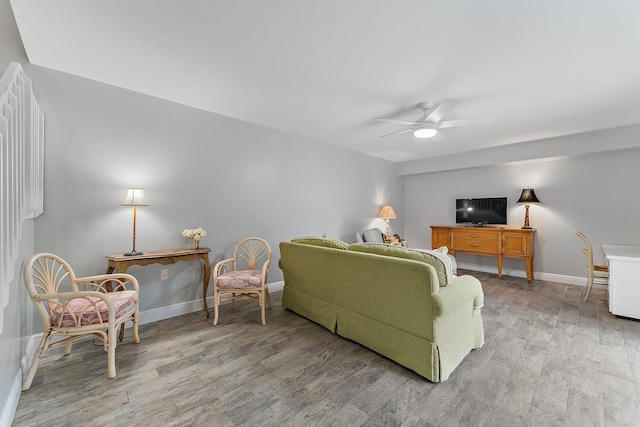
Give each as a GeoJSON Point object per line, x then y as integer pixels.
{"type": "Point", "coordinates": [624, 279]}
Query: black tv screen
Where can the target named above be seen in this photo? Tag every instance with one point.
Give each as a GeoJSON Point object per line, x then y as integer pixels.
{"type": "Point", "coordinates": [488, 210]}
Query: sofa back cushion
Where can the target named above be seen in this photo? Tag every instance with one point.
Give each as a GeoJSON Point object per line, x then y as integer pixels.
{"type": "Point", "coordinates": [322, 241]}
{"type": "Point", "coordinates": [438, 260]}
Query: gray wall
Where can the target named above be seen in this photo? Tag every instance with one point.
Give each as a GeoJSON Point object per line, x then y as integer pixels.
{"type": "Point", "coordinates": [594, 193]}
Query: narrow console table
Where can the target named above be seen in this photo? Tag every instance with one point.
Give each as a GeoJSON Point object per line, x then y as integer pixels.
{"type": "Point", "coordinates": [122, 263]}
{"type": "Point", "coordinates": [491, 241]}
{"type": "Point", "coordinates": [624, 279]}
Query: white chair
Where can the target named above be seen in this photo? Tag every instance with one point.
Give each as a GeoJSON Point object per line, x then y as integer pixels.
{"type": "Point", "coordinates": [69, 312]}
{"type": "Point", "coordinates": [244, 275]}
{"type": "Point", "coordinates": [598, 274]}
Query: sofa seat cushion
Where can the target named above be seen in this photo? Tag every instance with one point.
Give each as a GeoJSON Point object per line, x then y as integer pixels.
{"type": "Point", "coordinates": [240, 279]}
{"type": "Point", "coordinates": [438, 260]}
{"type": "Point", "coordinates": [91, 310]}
{"type": "Point", "coordinates": [327, 242]}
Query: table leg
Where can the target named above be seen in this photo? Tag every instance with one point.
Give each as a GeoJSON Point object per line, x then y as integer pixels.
{"type": "Point", "coordinates": [205, 282]}
{"type": "Point", "coordinates": [110, 269]}
{"type": "Point", "coordinates": [499, 266]}
{"type": "Point", "coordinates": [528, 264]}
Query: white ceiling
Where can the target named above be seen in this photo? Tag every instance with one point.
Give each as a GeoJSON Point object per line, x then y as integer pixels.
{"type": "Point", "coordinates": [325, 69]}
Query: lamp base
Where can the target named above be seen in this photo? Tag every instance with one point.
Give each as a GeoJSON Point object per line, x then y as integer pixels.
{"type": "Point", "coordinates": [526, 228]}
{"type": "Point", "coordinates": [133, 253]}
{"type": "Point", "coordinates": [526, 217]}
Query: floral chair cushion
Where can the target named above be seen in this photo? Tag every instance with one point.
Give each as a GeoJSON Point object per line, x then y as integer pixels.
{"type": "Point", "coordinates": [240, 279]}
{"type": "Point", "coordinates": [91, 310]}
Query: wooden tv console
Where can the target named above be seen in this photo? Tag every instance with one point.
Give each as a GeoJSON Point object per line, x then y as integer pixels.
{"type": "Point", "coordinates": [492, 241]}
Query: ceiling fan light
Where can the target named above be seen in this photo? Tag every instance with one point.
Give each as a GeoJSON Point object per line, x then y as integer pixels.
{"type": "Point", "coordinates": [425, 132]}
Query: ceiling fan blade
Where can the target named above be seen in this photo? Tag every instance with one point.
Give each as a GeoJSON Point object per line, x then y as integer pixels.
{"type": "Point", "coordinates": [441, 110]}
{"type": "Point", "coordinates": [463, 122]}
{"type": "Point", "coordinates": [400, 122]}
{"type": "Point", "coordinates": [397, 133]}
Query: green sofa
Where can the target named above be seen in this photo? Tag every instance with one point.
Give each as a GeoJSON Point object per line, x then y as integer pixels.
{"type": "Point", "coordinates": [399, 302]}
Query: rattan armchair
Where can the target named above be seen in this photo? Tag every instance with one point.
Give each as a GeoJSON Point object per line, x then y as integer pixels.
{"type": "Point", "coordinates": [66, 311]}
{"type": "Point", "coordinates": [243, 275]}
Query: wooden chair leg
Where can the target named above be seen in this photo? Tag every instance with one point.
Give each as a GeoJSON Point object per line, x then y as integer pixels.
{"type": "Point", "coordinates": [261, 296]}
{"type": "Point", "coordinates": [42, 349]}
{"type": "Point", "coordinates": [67, 347]}
{"type": "Point", "coordinates": [589, 286]}
{"type": "Point", "coordinates": [268, 296]}
{"type": "Point", "coordinates": [216, 303]}
{"type": "Point", "coordinates": [136, 337]}
{"type": "Point", "coordinates": [111, 351]}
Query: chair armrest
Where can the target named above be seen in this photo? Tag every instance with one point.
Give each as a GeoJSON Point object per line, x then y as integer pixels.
{"type": "Point", "coordinates": [265, 272]}
{"type": "Point", "coordinates": [100, 282]}
{"type": "Point", "coordinates": [221, 267]}
{"type": "Point", "coordinates": [459, 291]}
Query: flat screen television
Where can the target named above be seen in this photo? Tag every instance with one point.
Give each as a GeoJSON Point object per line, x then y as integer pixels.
{"type": "Point", "coordinates": [480, 211]}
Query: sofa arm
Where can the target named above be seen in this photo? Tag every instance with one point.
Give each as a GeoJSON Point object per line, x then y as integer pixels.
{"type": "Point", "coordinates": [460, 290]}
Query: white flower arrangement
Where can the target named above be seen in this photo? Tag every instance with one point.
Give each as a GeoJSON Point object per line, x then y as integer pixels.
{"type": "Point", "coordinates": [196, 234]}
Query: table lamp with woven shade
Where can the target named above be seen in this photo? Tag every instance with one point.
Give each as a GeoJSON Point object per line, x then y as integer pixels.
{"type": "Point", "coordinates": [387, 212]}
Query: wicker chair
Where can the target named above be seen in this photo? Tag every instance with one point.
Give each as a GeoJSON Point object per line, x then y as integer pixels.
{"type": "Point", "coordinates": [244, 275]}
{"type": "Point", "coordinates": [72, 313]}
{"type": "Point", "coordinates": [598, 274]}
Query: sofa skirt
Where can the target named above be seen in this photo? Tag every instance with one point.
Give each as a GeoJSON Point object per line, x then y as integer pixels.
{"type": "Point", "coordinates": [314, 309]}
{"type": "Point", "coordinates": [432, 361]}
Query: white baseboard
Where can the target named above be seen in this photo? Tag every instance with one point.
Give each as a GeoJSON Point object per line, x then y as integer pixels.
{"type": "Point", "coordinates": [147, 316]}
{"type": "Point", "coordinates": [156, 314]}
{"type": "Point", "coordinates": [548, 277]}
{"type": "Point", "coordinates": [9, 410]}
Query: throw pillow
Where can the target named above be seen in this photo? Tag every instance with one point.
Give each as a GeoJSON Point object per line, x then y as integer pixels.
{"type": "Point", "coordinates": [454, 263]}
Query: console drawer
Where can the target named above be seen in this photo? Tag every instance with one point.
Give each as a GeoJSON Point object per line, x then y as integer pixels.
{"type": "Point", "coordinates": [480, 241]}
{"type": "Point", "coordinates": [477, 246]}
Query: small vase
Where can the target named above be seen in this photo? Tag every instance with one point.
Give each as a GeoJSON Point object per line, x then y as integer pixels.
{"type": "Point", "coordinates": [195, 244]}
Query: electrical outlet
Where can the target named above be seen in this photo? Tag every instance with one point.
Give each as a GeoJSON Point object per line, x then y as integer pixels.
{"type": "Point", "coordinates": [164, 274]}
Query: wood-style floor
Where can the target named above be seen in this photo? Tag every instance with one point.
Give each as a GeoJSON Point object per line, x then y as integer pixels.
{"type": "Point", "coordinates": [549, 360]}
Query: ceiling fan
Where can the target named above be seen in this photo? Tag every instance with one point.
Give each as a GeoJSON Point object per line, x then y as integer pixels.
{"type": "Point", "coordinates": [427, 126]}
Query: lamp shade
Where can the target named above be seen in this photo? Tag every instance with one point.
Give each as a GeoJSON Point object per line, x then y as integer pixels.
{"type": "Point", "coordinates": [134, 197]}
{"type": "Point", "coordinates": [386, 212]}
{"type": "Point", "coordinates": [528, 197]}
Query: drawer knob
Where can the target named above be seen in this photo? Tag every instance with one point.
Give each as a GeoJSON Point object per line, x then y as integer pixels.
{"type": "Point", "coordinates": [475, 245]}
